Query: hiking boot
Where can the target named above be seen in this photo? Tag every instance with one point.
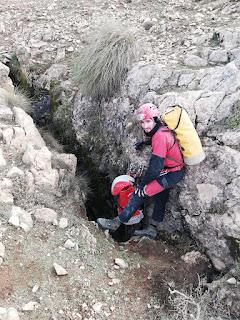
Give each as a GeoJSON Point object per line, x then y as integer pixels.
{"type": "Point", "coordinates": [109, 224]}
{"type": "Point", "coordinates": [150, 232]}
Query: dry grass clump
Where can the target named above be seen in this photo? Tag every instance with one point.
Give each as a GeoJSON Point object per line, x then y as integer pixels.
{"type": "Point", "coordinates": [82, 181]}
{"type": "Point", "coordinates": [197, 304]}
{"type": "Point", "coordinates": [17, 98]}
{"type": "Point", "coordinates": [104, 62]}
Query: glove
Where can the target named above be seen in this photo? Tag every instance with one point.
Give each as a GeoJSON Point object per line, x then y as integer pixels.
{"type": "Point", "coordinates": [140, 192]}
{"type": "Point", "coordinates": [139, 145]}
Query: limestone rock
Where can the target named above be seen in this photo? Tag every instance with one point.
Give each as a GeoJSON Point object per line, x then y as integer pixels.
{"type": "Point", "coordinates": [70, 49]}
{"type": "Point", "coordinates": [30, 306]}
{"type": "Point", "coordinates": [56, 72]}
{"type": "Point", "coordinates": [63, 223]}
{"type": "Point", "coordinates": [7, 135]}
{"type": "Point", "coordinates": [45, 178]}
{"type": "Point", "coordinates": [195, 61]}
{"type": "Point", "coordinates": [6, 195]}
{"type": "Point", "coordinates": [29, 133]}
{"type": "Point", "coordinates": [231, 281]}
{"type": "Point", "coordinates": [6, 114]}
{"type": "Point", "coordinates": [3, 312]}
{"type": "Point", "coordinates": [193, 257]}
{"type": "Point", "coordinates": [207, 192]}
{"type": "Point", "coordinates": [206, 107]}
{"type": "Point", "coordinates": [228, 38]}
{"type": "Point", "coordinates": [111, 274]}
{"type": "Point", "coordinates": [60, 271]}
{"type": "Point", "coordinates": [14, 171]}
{"type": "Point", "coordinates": [4, 71]}
{"type": "Point", "coordinates": [21, 218]}
{"type": "Point", "coordinates": [69, 244]}
{"type": "Point", "coordinates": [45, 215]}
{"type": "Point", "coordinates": [39, 159]}
{"type": "Point", "coordinates": [121, 263]}
{"type": "Point", "coordinates": [40, 165]}
{"type": "Point", "coordinates": [218, 56]}
{"type": "Point", "coordinates": [35, 288]}
{"type": "Point", "coordinates": [148, 23]}
{"type": "Point", "coordinates": [60, 54]}
{"type": "Point", "coordinates": [10, 314]}
{"type": "Point", "coordinates": [2, 250]}
{"type": "Point", "coordinates": [65, 161]}
{"type": "Point", "coordinates": [97, 307]}
{"type": "Point", "coordinates": [220, 79]}
{"type": "Point", "coordinates": [229, 138]}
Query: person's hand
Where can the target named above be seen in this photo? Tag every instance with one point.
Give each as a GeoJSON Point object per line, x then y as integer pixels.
{"type": "Point", "coordinates": [139, 145]}
{"type": "Point", "coordinates": [140, 192]}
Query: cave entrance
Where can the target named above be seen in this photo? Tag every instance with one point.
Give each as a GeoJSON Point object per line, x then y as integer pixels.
{"type": "Point", "coordinates": [45, 103]}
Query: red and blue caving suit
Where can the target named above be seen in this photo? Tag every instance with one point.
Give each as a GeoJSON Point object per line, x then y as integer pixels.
{"type": "Point", "coordinates": [165, 169]}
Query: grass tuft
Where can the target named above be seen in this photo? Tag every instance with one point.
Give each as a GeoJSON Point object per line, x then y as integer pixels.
{"type": "Point", "coordinates": [17, 98]}
{"type": "Point", "coordinates": [103, 64]}
{"type": "Point", "coordinates": [197, 304]}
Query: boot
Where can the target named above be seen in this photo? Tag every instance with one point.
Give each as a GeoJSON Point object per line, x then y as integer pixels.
{"type": "Point", "coordinates": [150, 232]}
{"type": "Point", "coordinates": [109, 224]}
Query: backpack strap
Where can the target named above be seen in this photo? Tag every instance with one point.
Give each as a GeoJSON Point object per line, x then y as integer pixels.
{"type": "Point", "coordinates": [174, 137]}
{"type": "Point", "coordinates": [179, 119]}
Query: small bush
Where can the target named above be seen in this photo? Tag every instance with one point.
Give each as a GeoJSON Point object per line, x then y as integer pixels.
{"type": "Point", "coordinates": [17, 98]}
{"type": "Point", "coordinates": [233, 122]}
{"type": "Point", "coordinates": [197, 304]}
{"type": "Point", "coordinates": [62, 124]}
{"type": "Point", "coordinates": [104, 62]}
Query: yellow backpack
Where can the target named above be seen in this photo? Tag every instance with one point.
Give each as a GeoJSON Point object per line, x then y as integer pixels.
{"type": "Point", "coordinates": [177, 119]}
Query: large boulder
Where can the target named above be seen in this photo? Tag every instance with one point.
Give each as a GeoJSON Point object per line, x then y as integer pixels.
{"type": "Point", "coordinates": [208, 201]}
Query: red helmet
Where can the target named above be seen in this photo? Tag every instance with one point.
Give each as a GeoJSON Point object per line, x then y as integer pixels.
{"type": "Point", "coordinates": [147, 111]}
{"type": "Point", "coordinates": [120, 183]}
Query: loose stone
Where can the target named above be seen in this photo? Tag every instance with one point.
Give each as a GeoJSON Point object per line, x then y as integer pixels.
{"type": "Point", "coordinates": [63, 223]}
{"type": "Point", "coordinates": [60, 271]}
{"type": "Point", "coordinates": [121, 263]}
{"type": "Point", "coordinates": [30, 306]}
{"type": "Point", "coordinates": [69, 244]}
{"type": "Point", "coordinates": [231, 281]}
{"type": "Point", "coordinates": [2, 250]}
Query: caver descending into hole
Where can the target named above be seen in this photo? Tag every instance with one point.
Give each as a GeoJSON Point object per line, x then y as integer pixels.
{"type": "Point", "coordinates": [165, 170]}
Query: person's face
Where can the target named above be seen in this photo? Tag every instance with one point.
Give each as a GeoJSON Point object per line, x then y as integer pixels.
{"type": "Point", "coordinates": [147, 125]}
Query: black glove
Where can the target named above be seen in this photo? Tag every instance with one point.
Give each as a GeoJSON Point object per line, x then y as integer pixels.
{"type": "Point", "coordinates": [140, 192]}
{"type": "Point", "coordinates": [140, 145]}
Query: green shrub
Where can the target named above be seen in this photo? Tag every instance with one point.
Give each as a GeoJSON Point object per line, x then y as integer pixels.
{"type": "Point", "coordinates": [62, 124]}
{"type": "Point", "coordinates": [104, 62]}
{"type": "Point", "coordinates": [233, 122]}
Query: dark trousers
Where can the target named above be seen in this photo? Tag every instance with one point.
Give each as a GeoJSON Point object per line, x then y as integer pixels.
{"type": "Point", "coordinates": [160, 201]}
{"type": "Point", "coordinates": [167, 181]}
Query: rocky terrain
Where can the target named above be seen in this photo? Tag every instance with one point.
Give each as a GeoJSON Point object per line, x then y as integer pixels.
{"type": "Point", "coordinates": [54, 264]}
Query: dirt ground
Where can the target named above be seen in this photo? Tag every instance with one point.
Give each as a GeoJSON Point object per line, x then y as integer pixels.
{"type": "Point", "coordinates": [141, 291]}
